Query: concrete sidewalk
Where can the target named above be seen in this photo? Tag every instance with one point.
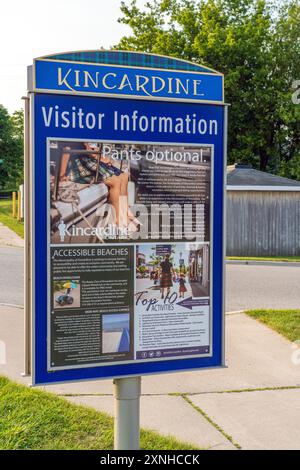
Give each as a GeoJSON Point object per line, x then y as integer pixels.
{"type": "Point", "coordinates": [200, 407]}
{"type": "Point", "coordinates": [9, 238]}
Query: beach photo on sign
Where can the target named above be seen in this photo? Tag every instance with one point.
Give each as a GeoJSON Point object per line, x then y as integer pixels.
{"type": "Point", "coordinates": [102, 192]}
{"type": "Point", "coordinates": [66, 293]}
{"type": "Point", "coordinates": [172, 273]}
{"type": "Point", "coordinates": [115, 333]}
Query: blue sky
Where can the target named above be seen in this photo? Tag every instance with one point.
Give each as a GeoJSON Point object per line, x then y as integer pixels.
{"type": "Point", "coordinates": [115, 320]}
{"type": "Point", "coordinates": [32, 28]}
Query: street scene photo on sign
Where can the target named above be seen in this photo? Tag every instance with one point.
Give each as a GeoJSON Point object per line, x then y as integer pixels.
{"type": "Point", "coordinates": [172, 299]}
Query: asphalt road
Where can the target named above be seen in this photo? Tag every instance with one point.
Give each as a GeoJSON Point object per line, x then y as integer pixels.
{"type": "Point", "coordinates": [259, 286]}
{"type": "Point", "coordinates": [247, 286]}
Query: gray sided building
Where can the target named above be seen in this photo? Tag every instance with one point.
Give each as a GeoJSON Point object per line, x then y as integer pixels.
{"type": "Point", "coordinates": [263, 213]}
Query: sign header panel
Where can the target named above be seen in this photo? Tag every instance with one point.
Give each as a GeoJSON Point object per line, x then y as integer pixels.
{"type": "Point", "coordinates": [127, 81]}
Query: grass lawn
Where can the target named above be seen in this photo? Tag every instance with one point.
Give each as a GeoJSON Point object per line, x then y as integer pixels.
{"type": "Point", "coordinates": [32, 419]}
{"type": "Point", "coordinates": [285, 322]}
{"type": "Point", "coordinates": [7, 219]}
{"type": "Point", "coordinates": [289, 259]}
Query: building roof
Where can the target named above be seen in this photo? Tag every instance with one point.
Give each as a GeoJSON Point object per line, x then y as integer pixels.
{"type": "Point", "coordinates": [243, 177]}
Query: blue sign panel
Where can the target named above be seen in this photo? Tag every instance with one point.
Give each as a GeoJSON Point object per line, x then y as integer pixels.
{"type": "Point", "coordinates": [127, 236]}
{"type": "Point", "coordinates": [101, 79]}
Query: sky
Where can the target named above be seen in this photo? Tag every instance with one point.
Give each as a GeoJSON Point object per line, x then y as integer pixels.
{"type": "Point", "coordinates": [181, 248]}
{"type": "Point", "coordinates": [33, 28]}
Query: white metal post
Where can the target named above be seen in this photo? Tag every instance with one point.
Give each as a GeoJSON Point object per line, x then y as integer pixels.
{"type": "Point", "coordinates": [127, 392]}
{"type": "Point", "coordinates": [225, 132]}
{"type": "Point", "coordinates": [27, 244]}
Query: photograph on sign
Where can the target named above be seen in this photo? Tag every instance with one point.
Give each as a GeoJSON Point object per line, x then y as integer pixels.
{"type": "Point", "coordinates": [98, 188]}
{"type": "Point", "coordinates": [172, 300]}
{"type": "Point", "coordinates": [129, 252]}
{"type": "Point", "coordinates": [65, 294]}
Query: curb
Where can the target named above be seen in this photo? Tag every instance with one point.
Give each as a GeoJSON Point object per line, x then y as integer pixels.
{"type": "Point", "coordinates": [264, 263]}
{"type": "Point", "coordinates": [235, 312]}
{"type": "Point", "coordinates": [12, 306]}
{"type": "Point", "coordinates": [10, 245]}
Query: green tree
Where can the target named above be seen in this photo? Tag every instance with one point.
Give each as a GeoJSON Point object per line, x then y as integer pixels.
{"type": "Point", "coordinates": [17, 120]}
{"type": "Point", "coordinates": [141, 269]}
{"type": "Point", "coordinates": [6, 146]}
{"type": "Point", "coordinates": [11, 149]}
{"type": "Point", "coordinates": [255, 43]}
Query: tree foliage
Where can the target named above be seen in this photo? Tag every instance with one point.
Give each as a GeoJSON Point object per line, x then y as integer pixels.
{"type": "Point", "coordinates": [255, 43]}
{"type": "Point", "coordinates": [11, 149]}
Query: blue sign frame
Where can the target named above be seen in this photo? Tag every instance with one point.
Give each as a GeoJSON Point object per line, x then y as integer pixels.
{"type": "Point", "coordinates": [41, 376]}
{"type": "Point", "coordinates": [40, 134]}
